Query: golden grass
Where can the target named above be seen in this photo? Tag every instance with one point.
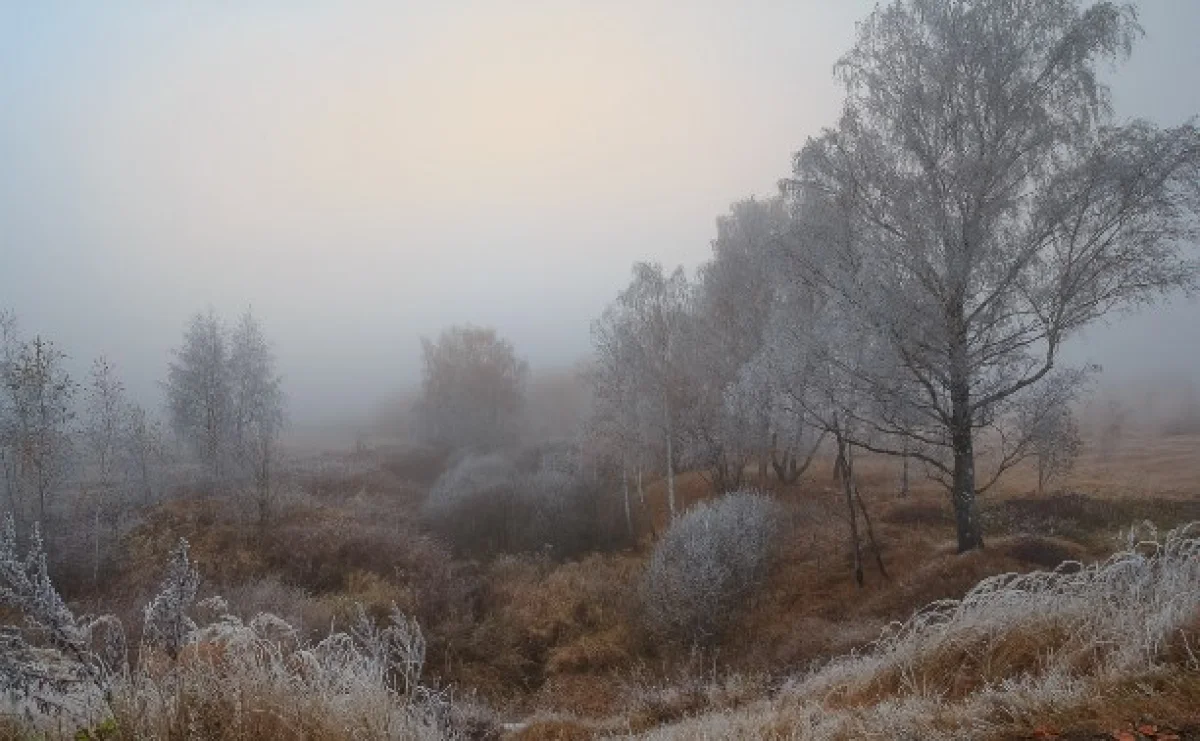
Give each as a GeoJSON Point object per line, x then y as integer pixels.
{"type": "Point", "coordinates": [532, 635]}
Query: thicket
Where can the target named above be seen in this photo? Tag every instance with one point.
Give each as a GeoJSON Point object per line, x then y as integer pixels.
{"type": "Point", "coordinates": [707, 565]}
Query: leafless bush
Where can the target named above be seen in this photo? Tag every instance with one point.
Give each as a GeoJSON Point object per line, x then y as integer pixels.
{"type": "Point", "coordinates": [471, 505]}
{"type": "Point", "coordinates": [1016, 648]}
{"type": "Point", "coordinates": [51, 664]}
{"type": "Point", "coordinates": [228, 678]}
{"type": "Point", "coordinates": [706, 565]}
{"type": "Point", "coordinates": [486, 505]}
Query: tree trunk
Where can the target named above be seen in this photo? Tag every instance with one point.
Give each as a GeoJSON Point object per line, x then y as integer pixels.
{"type": "Point", "coordinates": [625, 487]}
{"type": "Point", "coordinates": [847, 474]}
{"type": "Point", "coordinates": [96, 551]}
{"type": "Point", "coordinates": [862, 505]}
{"type": "Point", "coordinates": [670, 477]}
{"type": "Point", "coordinates": [904, 474]}
{"type": "Point", "coordinates": [966, 510]}
{"type": "Point", "coordinates": [147, 492]}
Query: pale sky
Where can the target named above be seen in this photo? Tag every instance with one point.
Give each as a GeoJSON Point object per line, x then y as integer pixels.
{"type": "Point", "coordinates": [363, 174]}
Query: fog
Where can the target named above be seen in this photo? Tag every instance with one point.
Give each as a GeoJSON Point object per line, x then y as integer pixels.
{"type": "Point", "coordinates": [362, 176]}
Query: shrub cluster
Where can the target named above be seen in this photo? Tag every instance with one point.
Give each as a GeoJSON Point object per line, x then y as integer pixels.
{"type": "Point", "coordinates": [227, 678]}
{"type": "Point", "coordinates": [706, 565]}
{"type": "Point", "coordinates": [487, 504]}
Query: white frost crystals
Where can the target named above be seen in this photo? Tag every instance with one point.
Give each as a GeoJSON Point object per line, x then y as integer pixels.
{"type": "Point", "coordinates": [710, 560]}
{"type": "Point", "coordinates": [167, 625]}
{"type": "Point", "coordinates": [59, 670]}
{"type": "Point", "coordinates": [1025, 644]}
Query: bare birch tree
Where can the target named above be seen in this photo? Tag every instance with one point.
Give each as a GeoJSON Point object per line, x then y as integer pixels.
{"type": "Point", "coordinates": [39, 398]}
{"type": "Point", "coordinates": [199, 394]}
{"type": "Point", "coordinates": [995, 209]}
{"type": "Point", "coordinates": [654, 312]}
{"type": "Point", "coordinates": [104, 406]}
{"type": "Point", "coordinates": [258, 409]}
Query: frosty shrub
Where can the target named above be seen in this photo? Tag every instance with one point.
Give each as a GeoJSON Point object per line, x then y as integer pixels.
{"type": "Point", "coordinates": [471, 505]}
{"type": "Point", "coordinates": [398, 650]}
{"type": "Point", "coordinates": [487, 505]}
{"type": "Point", "coordinates": [226, 678]}
{"type": "Point", "coordinates": [49, 664]}
{"type": "Point", "coordinates": [167, 625]}
{"type": "Point", "coordinates": [710, 560]}
{"type": "Point", "coordinates": [1017, 648]}
{"type": "Point", "coordinates": [559, 508]}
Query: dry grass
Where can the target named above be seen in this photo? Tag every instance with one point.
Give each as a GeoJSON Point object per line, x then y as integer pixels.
{"type": "Point", "coordinates": [543, 622]}
{"type": "Point", "coordinates": [554, 729]}
{"type": "Point", "coordinates": [535, 636]}
{"type": "Point", "coordinates": [1095, 643]}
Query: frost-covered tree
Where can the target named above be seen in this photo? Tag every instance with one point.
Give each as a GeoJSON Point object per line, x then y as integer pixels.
{"type": "Point", "coordinates": [142, 450]}
{"type": "Point", "coordinates": [734, 295]}
{"type": "Point", "coordinates": [258, 408]}
{"type": "Point", "coordinates": [1048, 424]}
{"type": "Point", "coordinates": [9, 453]}
{"type": "Point", "coordinates": [651, 321]}
{"type": "Point", "coordinates": [472, 389]}
{"type": "Point", "coordinates": [39, 397]}
{"type": "Point", "coordinates": [612, 431]}
{"type": "Point", "coordinates": [200, 395]}
{"type": "Point", "coordinates": [166, 624]}
{"type": "Point", "coordinates": [816, 357]}
{"type": "Point", "coordinates": [104, 397]}
{"type": "Point", "coordinates": [992, 208]}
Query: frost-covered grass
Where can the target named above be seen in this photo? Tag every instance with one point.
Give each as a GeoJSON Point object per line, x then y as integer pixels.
{"type": "Point", "coordinates": [221, 677]}
{"type": "Point", "coordinates": [255, 681]}
{"type": "Point", "coordinates": [1111, 640]}
{"type": "Point", "coordinates": [1074, 644]}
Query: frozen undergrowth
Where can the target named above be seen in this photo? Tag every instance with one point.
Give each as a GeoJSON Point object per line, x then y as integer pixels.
{"type": "Point", "coordinates": [225, 678]}
{"type": "Point", "coordinates": [1013, 649]}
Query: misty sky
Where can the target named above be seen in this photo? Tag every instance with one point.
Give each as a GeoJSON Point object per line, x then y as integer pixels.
{"type": "Point", "coordinates": [366, 173]}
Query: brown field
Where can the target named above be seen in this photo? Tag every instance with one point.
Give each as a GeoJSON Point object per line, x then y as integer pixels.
{"type": "Point", "coordinates": [559, 644]}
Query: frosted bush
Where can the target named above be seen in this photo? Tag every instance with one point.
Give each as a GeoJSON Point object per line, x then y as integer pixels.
{"type": "Point", "coordinates": [470, 505]}
{"type": "Point", "coordinates": [224, 679]}
{"type": "Point", "coordinates": [707, 564]}
{"type": "Point", "coordinates": [559, 510]}
{"type": "Point", "coordinates": [397, 650]}
{"type": "Point", "coordinates": [487, 505]}
{"type": "Point", "coordinates": [1014, 649]}
{"type": "Point", "coordinates": [167, 625]}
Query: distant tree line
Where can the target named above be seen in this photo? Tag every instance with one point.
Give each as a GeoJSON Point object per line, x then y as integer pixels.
{"type": "Point", "coordinates": [910, 288]}
{"type": "Point", "coordinates": [79, 456]}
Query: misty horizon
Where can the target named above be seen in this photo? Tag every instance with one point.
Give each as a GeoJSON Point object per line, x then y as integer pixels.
{"type": "Point", "coordinates": [365, 178]}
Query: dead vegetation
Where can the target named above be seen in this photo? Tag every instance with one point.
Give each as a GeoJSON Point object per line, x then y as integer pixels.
{"type": "Point", "coordinates": [562, 641]}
